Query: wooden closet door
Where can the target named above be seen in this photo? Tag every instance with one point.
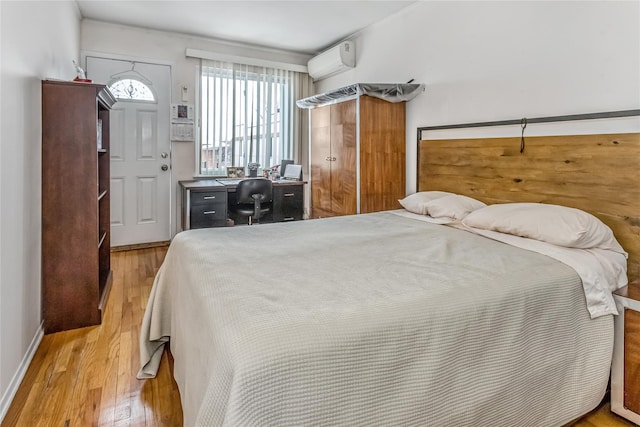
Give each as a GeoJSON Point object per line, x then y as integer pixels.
{"type": "Point", "coordinates": [320, 166]}
{"type": "Point", "coordinates": [382, 154]}
{"type": "Point", "coordinates": [343, 158]}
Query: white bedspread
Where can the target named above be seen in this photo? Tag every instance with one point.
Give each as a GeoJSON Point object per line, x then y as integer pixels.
{"type": "Point", "coordinates": [372, 320]}
{"type": "Point", "coordinates": [602, 271]}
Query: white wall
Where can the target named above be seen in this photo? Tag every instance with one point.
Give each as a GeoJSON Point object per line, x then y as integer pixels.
{"type": "Point", "coordinates": [38, 40]}
{"type": "Point", "coordinates": [480, 61]}
{"type": "Point", "coordinates": [136, 43]}
{"type": "Point", "coordinates": [485, 61]}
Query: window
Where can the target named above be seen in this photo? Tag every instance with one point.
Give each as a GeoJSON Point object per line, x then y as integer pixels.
{"type": "Point", "coordinates": [130, 89]}
{"type": "Point", "coordinates": [247, 116]}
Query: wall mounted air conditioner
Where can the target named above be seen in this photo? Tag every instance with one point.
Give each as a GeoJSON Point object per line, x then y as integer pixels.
{"type": "Point", "coordinates": [333, 61]}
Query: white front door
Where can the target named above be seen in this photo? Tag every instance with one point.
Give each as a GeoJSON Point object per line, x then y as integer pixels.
{"type": "Point", "coordinates": [140, 149]}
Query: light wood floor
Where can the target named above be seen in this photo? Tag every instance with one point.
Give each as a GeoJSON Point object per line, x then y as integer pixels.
{"type": "Point", "coordinates": [86, 377]}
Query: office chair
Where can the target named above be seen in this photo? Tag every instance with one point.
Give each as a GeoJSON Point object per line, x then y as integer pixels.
{"type": "Point", "coordinates": [254, 197]}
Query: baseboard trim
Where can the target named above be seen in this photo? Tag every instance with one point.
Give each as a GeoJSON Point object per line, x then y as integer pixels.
{"type": "Point", "coordinates": [139, 246]}
{"type": "Point", "coordinates": [11, 391]}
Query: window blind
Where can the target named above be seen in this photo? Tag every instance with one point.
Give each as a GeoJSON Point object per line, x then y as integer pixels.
{"type": "Point", "coordinates": [248, 115]}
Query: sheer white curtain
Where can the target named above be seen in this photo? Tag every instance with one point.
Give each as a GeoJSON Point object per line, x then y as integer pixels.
{"type": "Point", "coordinates": [248, 114]}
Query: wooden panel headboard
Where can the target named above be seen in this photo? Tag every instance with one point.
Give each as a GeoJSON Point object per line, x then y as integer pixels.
{"type": "Point", "coordinates": [599, 174]}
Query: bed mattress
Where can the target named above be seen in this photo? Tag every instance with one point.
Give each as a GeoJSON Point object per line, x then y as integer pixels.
{"type": "Point", "coordinates": [372, 320]}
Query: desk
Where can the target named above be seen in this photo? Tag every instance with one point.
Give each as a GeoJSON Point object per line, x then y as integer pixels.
{"type": "Point", "coordinates": [205, 203]}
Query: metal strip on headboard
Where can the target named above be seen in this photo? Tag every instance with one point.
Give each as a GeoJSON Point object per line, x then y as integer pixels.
{"type": "Point", "coordinates": [565, 118]}
{"type": "Point", "coordinates": [548, 119]}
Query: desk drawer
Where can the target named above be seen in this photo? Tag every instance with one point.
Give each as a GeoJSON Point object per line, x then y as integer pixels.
{"type": "Point", "coordinates": [288, 203]}
{"type": "Point", "coordinates": [208, 208]}
{"type": "Point", "coordinates": [208, 214]}
{"type": "Point", "coordinates": [208, 197]}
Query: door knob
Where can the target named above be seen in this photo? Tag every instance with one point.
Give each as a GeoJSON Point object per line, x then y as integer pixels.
{"type": "Point", "coordinates": [164, 155]}
{"type": "Point", "coordinates": [164, 167]}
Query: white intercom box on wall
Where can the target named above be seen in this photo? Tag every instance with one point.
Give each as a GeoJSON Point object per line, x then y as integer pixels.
{"type": "Point", "coordinates": [182, 123]}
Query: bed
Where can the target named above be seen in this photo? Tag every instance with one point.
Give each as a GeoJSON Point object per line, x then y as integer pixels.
{"type": "Point", "coordinates": [381, 319]}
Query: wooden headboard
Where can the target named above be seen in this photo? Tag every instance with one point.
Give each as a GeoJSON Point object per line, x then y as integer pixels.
{"type": "Point", "coordinates": [599, 174]}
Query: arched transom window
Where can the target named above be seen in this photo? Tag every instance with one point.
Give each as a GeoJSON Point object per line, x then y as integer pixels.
{"type": "Point", "coordinates": [130, 89]}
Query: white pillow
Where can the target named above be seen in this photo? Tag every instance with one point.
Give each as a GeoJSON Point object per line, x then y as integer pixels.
{"type": "Point", "coordinates": [558, 225]}
{"type": "Point", "coordinates": [452, 208]}
{"type": "Point", "coordinates": [415, 202]}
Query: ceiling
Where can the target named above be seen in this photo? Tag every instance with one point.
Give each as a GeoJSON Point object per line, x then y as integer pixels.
{"type": "Point", "coordinates": [305, 26]}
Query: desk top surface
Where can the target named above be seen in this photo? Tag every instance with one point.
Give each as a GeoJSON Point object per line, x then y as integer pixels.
{"type": "Point", "coordinates": [229, 183]}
